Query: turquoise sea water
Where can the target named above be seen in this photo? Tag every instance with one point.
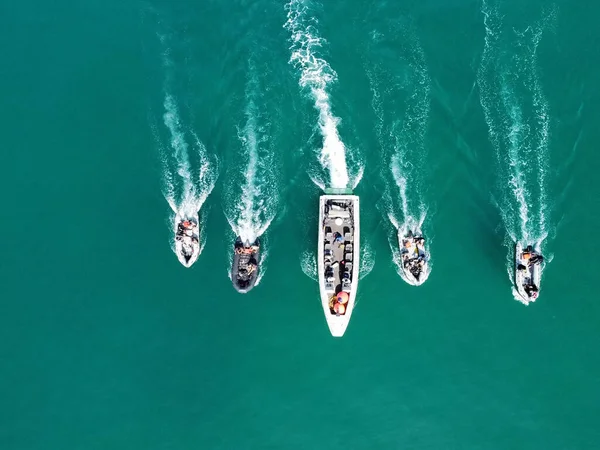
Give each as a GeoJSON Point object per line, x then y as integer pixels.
{"type": "Point", "coordinates": [476, 119]}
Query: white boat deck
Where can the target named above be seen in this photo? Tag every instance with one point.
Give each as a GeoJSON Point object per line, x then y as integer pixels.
{"type": "Point", "coordinates": [413, 253]}
{"type": "Point", "coordinates": [187, 242]}
{"type": "Point", "coordinates": [532, 274]}
{"type": "Point", "coordinates": [338, 256]}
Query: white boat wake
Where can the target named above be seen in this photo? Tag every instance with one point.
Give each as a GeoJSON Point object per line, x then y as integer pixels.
{"type": "Point", "coordinates": [317, 76]}
{"type": "Point", "coordinates": [401, 102]}
{"type": "Point", "coordinates": [185, 189]}
{"type": "Point", "coordinates": [252, 205]}
{"type": "Point", "coordinates": [518, 118]}
{"type": "Point", "coordinates": [367, 260]}
{"type": "Point", "coordinates": [308, 263]}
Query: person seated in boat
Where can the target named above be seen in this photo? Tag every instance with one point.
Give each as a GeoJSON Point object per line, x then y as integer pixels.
{"type": "Point", "coordinates": [536, 259]}
{"type": "Point", "coordinates": [251, 268]}
{"type": "Point", "coordinates": [188, 224]}
{"type": "Point", "coordinates": [182, 237]}
{"type": "Point", "coordinates": [531, 290]}
{"type": "Point", "coordinates": [528, 253]}
{"type": "Point", "coordinates": [419, 240]}
{"type": "Point", "coordinates": [415, 270]}
{"type": "Point", "coordinates": [522, 267]}
{"type": "Point", "coordinates": [242, 250]}
{"type": "Point", "coordinates": [254, 248]}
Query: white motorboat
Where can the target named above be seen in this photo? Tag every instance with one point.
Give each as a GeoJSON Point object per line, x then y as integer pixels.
{"type": "Point", "coordinates": [414, 257]}
{"type": "Point", "coordinates": [338, 257]}
{"type": "Point", "coordinates": [528, 271]}
{"type": "Point", "coordinates": [187, 240]}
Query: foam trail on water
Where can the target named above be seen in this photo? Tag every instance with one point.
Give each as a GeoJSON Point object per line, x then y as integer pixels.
{"type": "Point", "coordinates": [518, 117]}
{"type": "Point", "coordinates": [542, 114]}
{"type": "Point", "coordinates": [308, 262]}
{"type": "Point", "coordinates": [400, 90]}
{"type": "Point", "coordinates": [184, 188]}
{"type": "Point", "coordinates": [367, 260]}
{"type": "Point", "coordinates": [193, 189]}
{"type": "Point", "coordinates": [317, 75]}
{"type": "Point", "coordinates": [253, 205]}
{"type": "Point", "coordinates": [517, 131]}
{"type": "Point", "coordinates": [178, 146]}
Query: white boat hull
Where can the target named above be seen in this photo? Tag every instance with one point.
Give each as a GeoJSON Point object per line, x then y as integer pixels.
{"type": "Point", "coordinates": [532, 273]}
{"type": "Point", "coordinates": [187, 250]}
{"type": "Point", "coordinates": [339, 323]}
{"type": "Point", "coordinates": [405, 272]}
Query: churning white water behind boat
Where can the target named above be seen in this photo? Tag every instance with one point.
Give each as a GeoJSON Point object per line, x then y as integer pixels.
{"type": "Point", "coordinates": [186, 186]}
{"type": "Point", "coordinates": [518, 117]}
{"type": "Point", "coordinates": [400, 87]}
{"type": "Point", "coordinates": [317, 76]}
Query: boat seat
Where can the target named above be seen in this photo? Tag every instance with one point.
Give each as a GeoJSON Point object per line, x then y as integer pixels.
{"type": "Point", "coordinates": [329, 287]}
{"type": "Point", "coordinates": [349, 266]}
{"type": "Point", "coordinates": [328, 235]}
{"type": "Point", "coordinates": [349, 248]}
{"type": "Point", "coordinates": [346, 286]}
{"type": "Point", "coordinates": [348, 237]}
{"type": "Point", "coordinates": [349, 257]}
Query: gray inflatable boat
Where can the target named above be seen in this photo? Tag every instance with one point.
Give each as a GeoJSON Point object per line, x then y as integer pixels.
{"type": "Point", "coordinates": [246, 265]}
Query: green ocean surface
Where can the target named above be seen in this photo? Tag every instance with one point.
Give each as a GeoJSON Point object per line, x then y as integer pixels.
{"type": "Point", "coordinates": [108, 342]}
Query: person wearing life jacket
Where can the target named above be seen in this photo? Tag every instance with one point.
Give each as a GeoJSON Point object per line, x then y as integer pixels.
{"type": "Point", "coordinates": [536, 259]}
{"type": "Point", "coordinates": [339, 308]}
{"type": "Point", "coordinates": [531, 290]}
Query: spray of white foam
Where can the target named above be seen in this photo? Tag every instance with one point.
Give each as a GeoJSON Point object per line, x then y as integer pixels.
{"type": "Point", "coordinates": [518, 118]}
{"type": "Point", "coordinates": [517, 133]}
{"type": "Point", "coordinates": [317, 75]}
{"type": "Point", "coordinates": [402, 112]}
{"type": "Point", "coordinates": [308, 263]}
{"type": "Point", "coordinates": [253, 205]}
{"type": "Point", "coordinates": [367, 260]}
{"type": "Point", "coordinates": [185, 189]}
